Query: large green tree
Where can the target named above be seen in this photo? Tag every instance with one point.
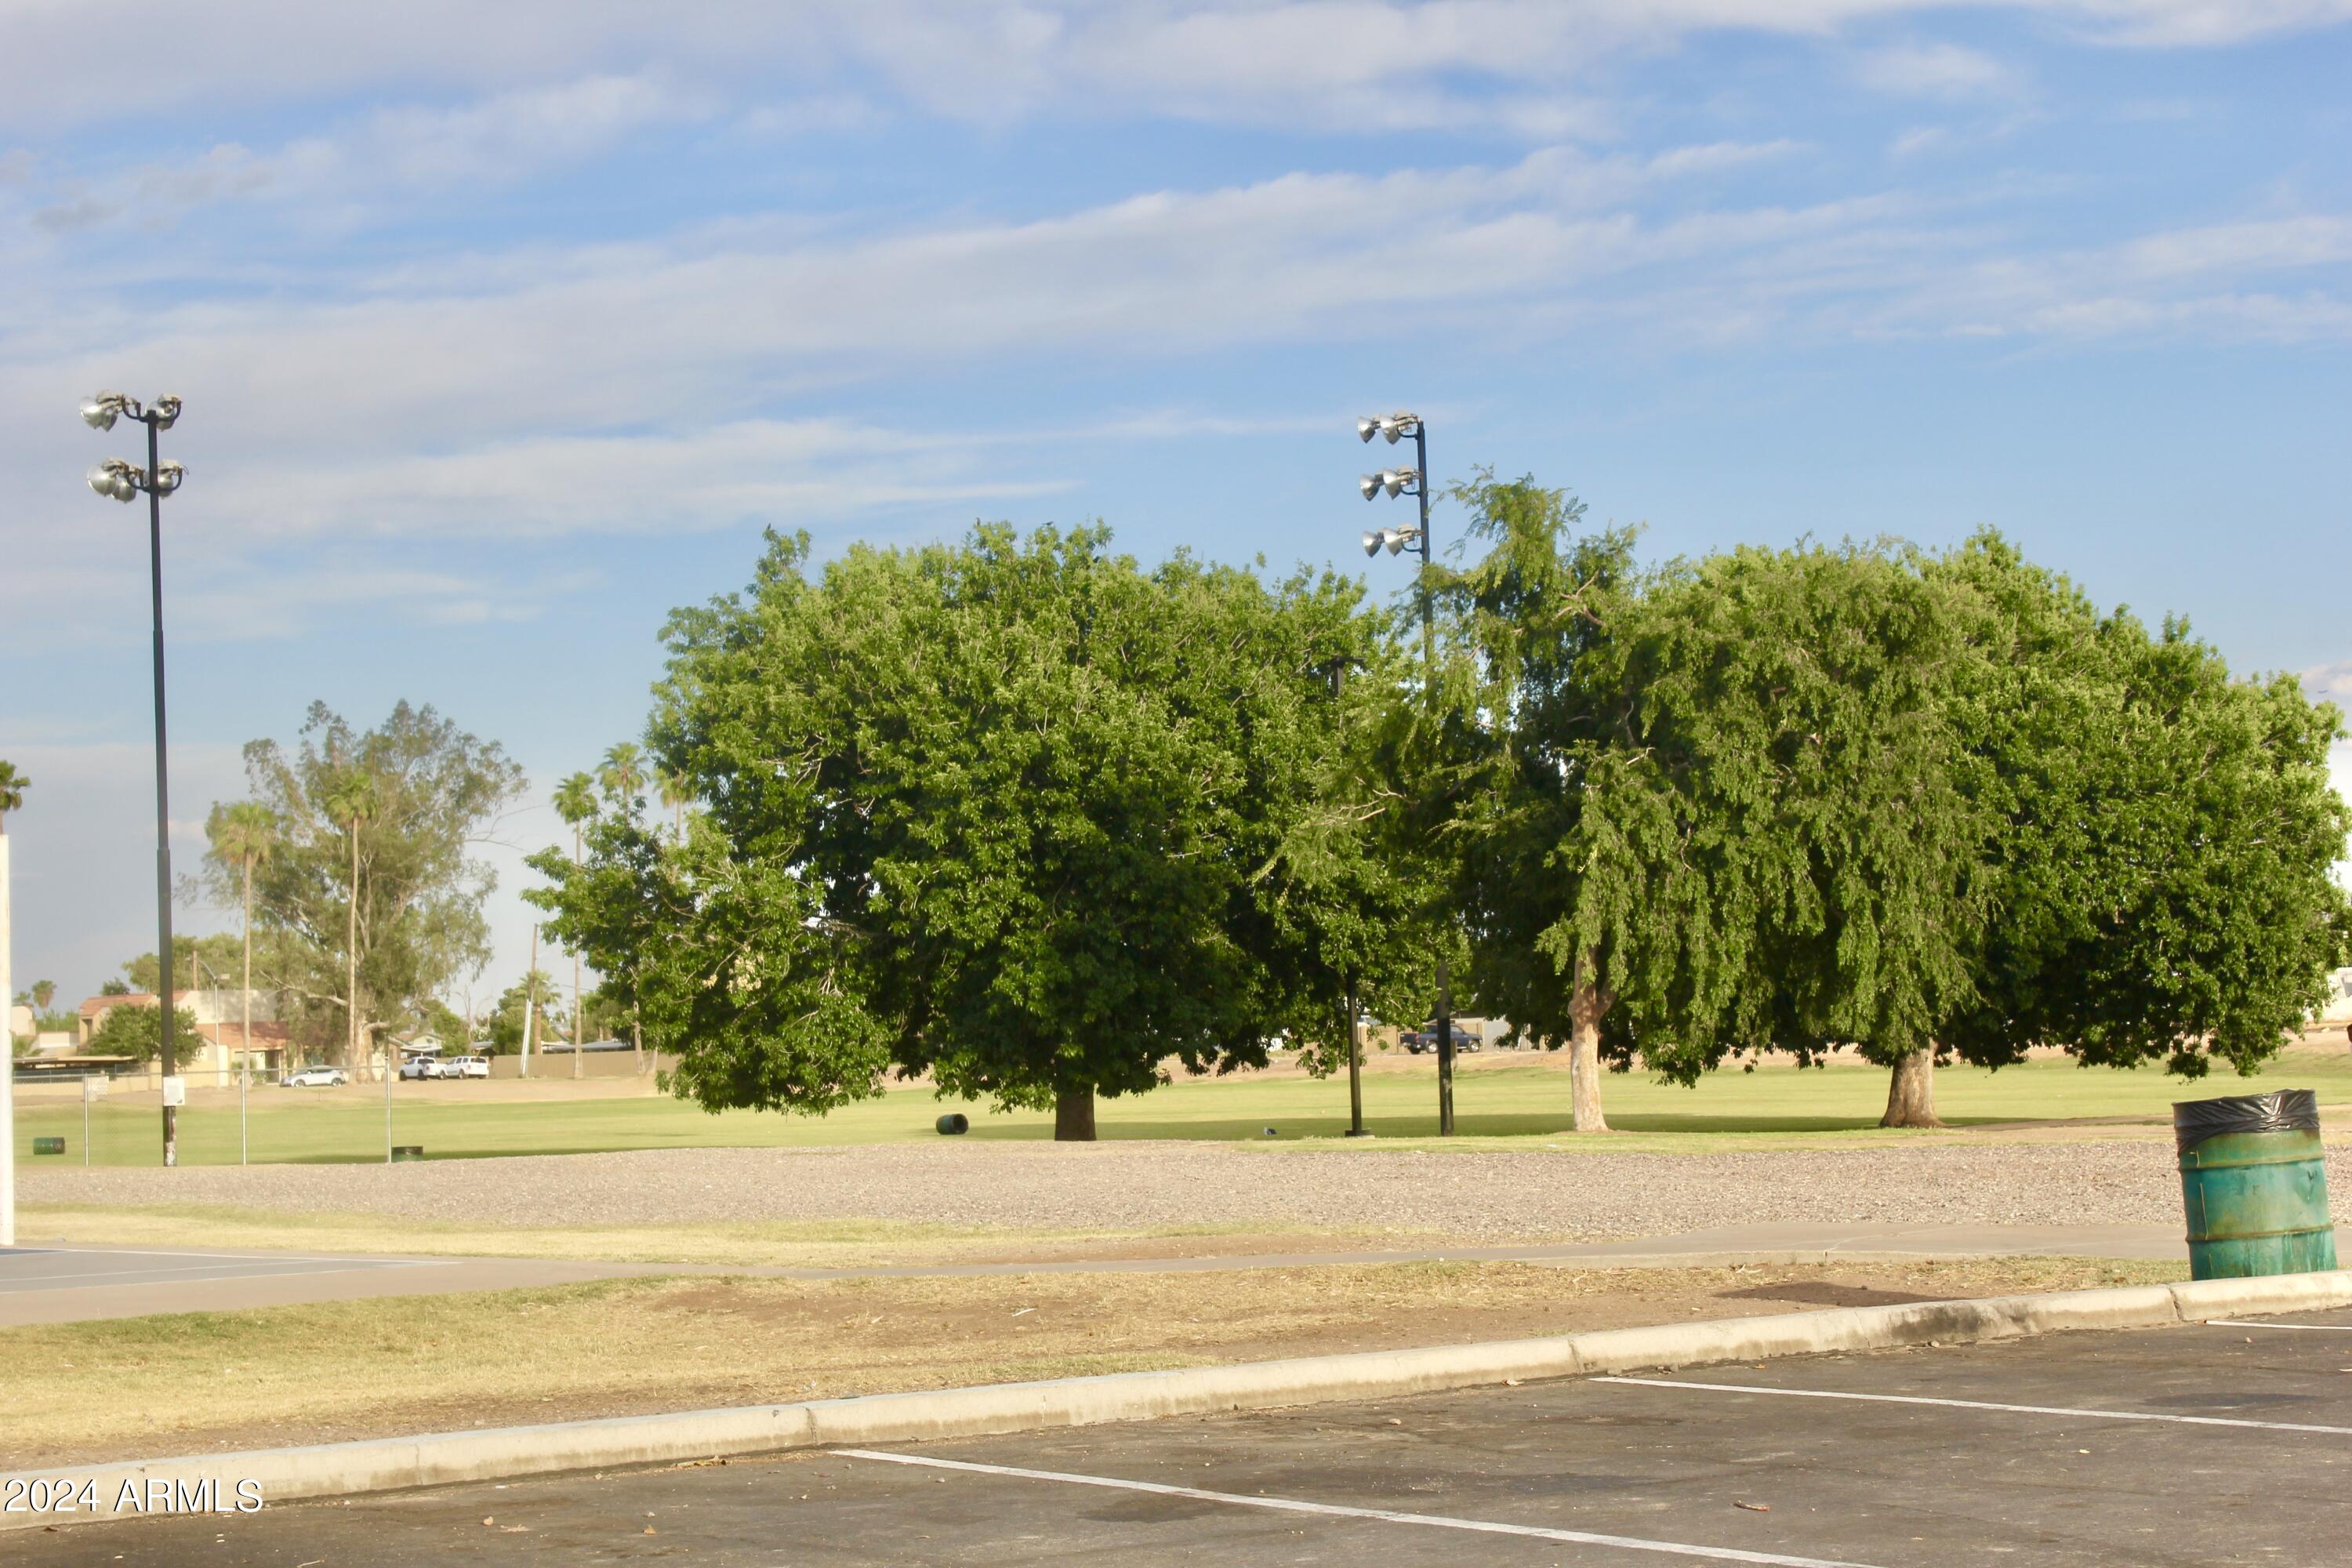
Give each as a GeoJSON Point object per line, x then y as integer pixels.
{"type": "Point", "coordinates": [1784, 854]}
{"type": "Point", "coordinates": [1015, 814]}
{"type": "Point", "coordinates": [137, 1031]}
{"type": "Point", "coordinates": [216, 953]}
{"type": "Point", "coordinates": [2159, 864]}
{"type": "Point", "coordinates": [373, 893]}
{"type": "Point", "coordinates": [1493, 773]}
{"type": "Point", "coordinates": [1716, 807]}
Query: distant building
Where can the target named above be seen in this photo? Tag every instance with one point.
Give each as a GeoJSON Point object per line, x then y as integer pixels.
{"type": "Point", "coordinates": [220, 1043]}
{"type": "Point", "coordinates": [225, 1047]}
{"type": "Point", "coordinates": [2337, 1008]}
{"type": "Point", "coordinates": [219, 1006]}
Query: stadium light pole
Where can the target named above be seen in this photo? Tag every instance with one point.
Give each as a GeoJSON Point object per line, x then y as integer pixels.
{"type": "Point", "coordinates": [1414, 482]}
{"type": "Point", "coordinates": [119, 480]}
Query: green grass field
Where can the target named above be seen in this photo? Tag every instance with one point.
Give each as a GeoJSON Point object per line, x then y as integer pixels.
{"type": "Point", "coordinates": [1497, 1103]}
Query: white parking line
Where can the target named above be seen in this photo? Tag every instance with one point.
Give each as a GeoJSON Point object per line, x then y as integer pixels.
{"type": "Point", "coordinates": [1982, 1405]}
{"type": "Point", "coordinates": [1387, 1516]}
{"type": "Point", "coordinates": [2244, 1323]}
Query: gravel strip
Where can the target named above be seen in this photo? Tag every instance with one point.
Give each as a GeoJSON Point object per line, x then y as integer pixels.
{"type": "Point", "coordinates": [1490, 1197]}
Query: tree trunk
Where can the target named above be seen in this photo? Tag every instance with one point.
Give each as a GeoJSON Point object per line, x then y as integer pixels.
{"type": "Point", "coordinates": [1074, 1116]}
{"type": "Point", "coordinates": [1911, 1091]}
{"type": "Point", "coordinates": [637, 1040]}
{"type": "Point", "coordinates": [1587, 1003]}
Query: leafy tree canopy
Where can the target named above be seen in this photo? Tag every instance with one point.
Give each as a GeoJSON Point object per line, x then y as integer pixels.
{"type": "Point", "coordinates": [1017, 814]}
{"type": "Point", "coordinates": [137, 1031]}
{"type": "Point", "coordinates": [504, 1028]}
{"type": "Point", "coordinates": [2162, 837]}
{"type": "Point", "coordinates": [414, 797]}
{"type": "Point", "coordinates": [219, 955]}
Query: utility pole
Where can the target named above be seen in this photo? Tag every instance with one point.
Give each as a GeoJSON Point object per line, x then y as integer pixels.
{"type": "Point", "coordinates": [530, 1002]}
{"type": "Point", "coordinates": [1414, 481]}
{"type": "Point", "coordinates": [1355, 1068]}
{"type": "Point", "coordinates": [119, 480]}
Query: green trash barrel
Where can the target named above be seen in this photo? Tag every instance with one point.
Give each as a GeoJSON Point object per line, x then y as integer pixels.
{"type": "Point", "coordinates": [2253, 1182]}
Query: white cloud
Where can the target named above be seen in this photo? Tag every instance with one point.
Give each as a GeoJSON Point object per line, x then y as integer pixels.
{"type": "Point", "coordinates": [534, 394]}
{"type": "Point", "coordinates": [1934, 71]}
{"type": "Point", "coordinates": [350, 170]}
{"type": "Point", "coordinates": [2330, 683]}
{"type": "Point", "coordinates": [475, 348]}
{"type": "Point", "coordinates": [549, 486]}
{"type": "Point", "coordinates": [2252, 281]}
{"type": "Point", "coordinates": [1329, 63]}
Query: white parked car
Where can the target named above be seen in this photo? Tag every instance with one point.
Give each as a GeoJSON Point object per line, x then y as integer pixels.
{"type": "Point", "coordinates": [423, 1068]}
{"type": "Point", "coordinates": [317, 1078]}
{"type": "Point", "coordinates": [466, 1067]}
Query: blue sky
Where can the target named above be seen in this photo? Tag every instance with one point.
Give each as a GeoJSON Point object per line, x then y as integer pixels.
{"type": "Point", "coordinates": [505, 329]}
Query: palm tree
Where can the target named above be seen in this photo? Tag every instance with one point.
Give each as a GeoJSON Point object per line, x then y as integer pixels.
{"type": "Point", "coordinates": [350, 800]}
{"type": "Point", "coordinates": [624, 771]}
{"type": "Point", "coordinates": [13, 785]}
{"type": "Point", "coordinates": [244, 836]}
{"type": "Point", "coordinates": [43, 990]}
{"type": "Point", "coordinates": [575, 801]}
{"type": "Point", "coordinates": [675, 791]}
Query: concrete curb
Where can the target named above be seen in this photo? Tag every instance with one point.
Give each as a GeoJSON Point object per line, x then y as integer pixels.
{"type": "Point", "coordinates": [207, 1481]}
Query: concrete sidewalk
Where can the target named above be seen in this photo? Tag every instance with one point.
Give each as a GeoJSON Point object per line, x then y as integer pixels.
{"type": "Point", "coordinates": [43, 1286]}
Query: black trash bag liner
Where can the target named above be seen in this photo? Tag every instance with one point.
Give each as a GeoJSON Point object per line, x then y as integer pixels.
{"type": "Point", "coordinates": [2283, 1111]}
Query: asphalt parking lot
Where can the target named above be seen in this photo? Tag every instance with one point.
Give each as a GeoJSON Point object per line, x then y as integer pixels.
{"type": "Point", "coordinates": [2210, 1444]}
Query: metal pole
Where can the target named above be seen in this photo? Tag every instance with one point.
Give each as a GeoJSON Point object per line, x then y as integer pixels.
{"type": "Point", "coordinates": [162, 802]}
{"type": "Point", "coordinates": [1429, 679]}
{"type": "Point", "coordinates": [530, 1001]}
{"type": "Point", "coordinates": [1354, 1068]}
{"type": "Point", "coordinates": [1348, 982]}
{"type": "Point", "coordinates": [387, 1099]}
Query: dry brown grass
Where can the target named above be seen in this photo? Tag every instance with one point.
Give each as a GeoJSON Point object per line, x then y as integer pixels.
{"type": "Point", "coordinates": [193, 1381]}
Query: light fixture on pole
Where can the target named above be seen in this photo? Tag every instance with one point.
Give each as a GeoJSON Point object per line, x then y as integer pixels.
{"type": "Point", "coordinates": [1414, 481]}
{"type": "Point", "coordinates": [117, 479]}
